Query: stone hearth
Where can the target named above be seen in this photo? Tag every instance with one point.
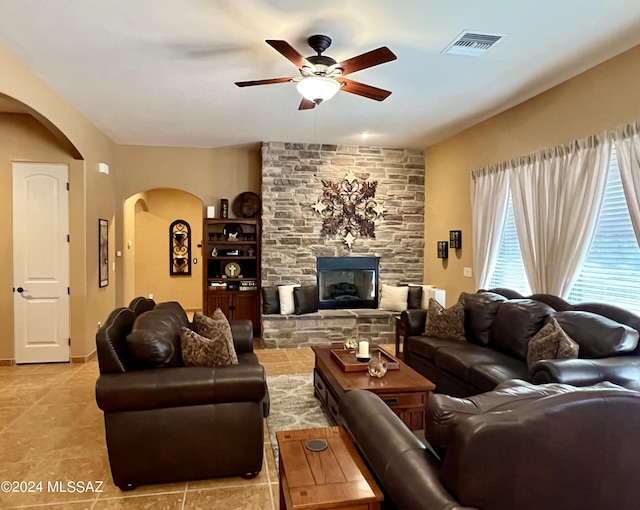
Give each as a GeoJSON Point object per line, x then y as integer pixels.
{"type": "Point", "coordinates": [326, 326]}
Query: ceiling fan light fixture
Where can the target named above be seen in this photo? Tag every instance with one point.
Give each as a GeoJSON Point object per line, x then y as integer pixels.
{"type": "Point", "coordinates": [318, 88]}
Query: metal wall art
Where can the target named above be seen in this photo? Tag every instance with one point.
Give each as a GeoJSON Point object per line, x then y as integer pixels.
{"type": "Point", "coordinates": [348, 208]}
{"type": "Point", "coordinates": [180, 248]}
{"type": "Point", "coordinates": [103, 253]}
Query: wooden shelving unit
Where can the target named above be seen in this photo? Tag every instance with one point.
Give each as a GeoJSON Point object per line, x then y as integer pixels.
{"type": "Point", "coordinates": [232, 273]}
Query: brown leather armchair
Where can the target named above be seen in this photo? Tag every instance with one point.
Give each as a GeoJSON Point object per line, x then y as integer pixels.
{"type": "Point", "coordinates": [525, 447]}
{"type": "Point", "coordinates": [178, 423]}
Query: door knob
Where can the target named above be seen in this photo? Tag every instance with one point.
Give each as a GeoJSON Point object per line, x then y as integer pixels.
{"type": "Point", "coordinates": [21, 290]}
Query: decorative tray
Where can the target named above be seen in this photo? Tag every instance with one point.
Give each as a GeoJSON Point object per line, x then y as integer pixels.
{"type": "Point", "coordinates": [347, 361]}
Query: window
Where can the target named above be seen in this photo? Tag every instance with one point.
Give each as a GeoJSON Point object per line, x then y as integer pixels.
{"type": "Point", "coordinates": [509, 272]}
{"type": "Point", "coordinates": [611, 271]}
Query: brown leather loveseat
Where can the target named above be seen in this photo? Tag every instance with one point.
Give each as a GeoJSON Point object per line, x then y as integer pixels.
{"type": "Point", "coordinates": [521, 447]}
{"type": "Point", "coordinates": [166, 422]}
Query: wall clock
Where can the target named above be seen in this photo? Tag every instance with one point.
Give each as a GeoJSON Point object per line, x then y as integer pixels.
{"type": "Point", "coordinates": [232, 270]}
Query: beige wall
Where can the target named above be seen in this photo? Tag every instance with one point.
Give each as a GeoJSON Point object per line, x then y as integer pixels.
{"type": "Point", "coordinates": [151, 245]}
{"type": "Point", "coordinates": [208, 174]}
{"type": "Point", "coordinates": [599, 99]}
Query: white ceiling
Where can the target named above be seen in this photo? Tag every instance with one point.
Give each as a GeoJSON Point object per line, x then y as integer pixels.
{"type": "Point", "coordinates": [162, 72]}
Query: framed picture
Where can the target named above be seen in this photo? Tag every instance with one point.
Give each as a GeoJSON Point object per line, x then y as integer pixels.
{"type": "Point", "coordinates": [103, 253]}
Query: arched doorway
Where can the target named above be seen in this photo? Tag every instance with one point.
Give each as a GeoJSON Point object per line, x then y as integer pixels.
{"type": "Point", "coordinates": [147, 217]}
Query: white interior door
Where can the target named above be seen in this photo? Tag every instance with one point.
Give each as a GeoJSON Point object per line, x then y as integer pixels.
{"type": "Point", "coordinates": [40, 262]}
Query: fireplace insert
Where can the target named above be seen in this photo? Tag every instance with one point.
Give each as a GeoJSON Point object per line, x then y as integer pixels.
{"type": "Point", "coordinates": [347, 282]}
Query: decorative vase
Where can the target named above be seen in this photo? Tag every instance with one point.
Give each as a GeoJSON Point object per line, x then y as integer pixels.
{"type": "Point", "coordinates": [377, 366]}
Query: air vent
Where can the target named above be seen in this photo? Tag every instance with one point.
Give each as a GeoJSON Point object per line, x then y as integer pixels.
{"type": "Point", "coordinates": [472, 44]}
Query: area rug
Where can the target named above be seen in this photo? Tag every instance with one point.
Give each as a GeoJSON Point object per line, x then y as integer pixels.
{"type": "Point", "coordinates": [293, 406]}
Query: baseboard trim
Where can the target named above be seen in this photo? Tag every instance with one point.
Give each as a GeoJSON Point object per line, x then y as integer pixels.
{"type": "Point", "coordinates": [7, 362]}
{"type": "Point", "coordinates": [84, 359]}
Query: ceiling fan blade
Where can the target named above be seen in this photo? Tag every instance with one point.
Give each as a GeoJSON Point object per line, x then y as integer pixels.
{"type": "Point", "coordinates": [262, 82]}
{"type": "Point", "coordinates": [289, 52]}
{"type": "Point", "coordinates": [305, 104]}
{"type": "Point", "coordinates": [369, 59]}
{"type": "Point", "coordinates": [360, 89]}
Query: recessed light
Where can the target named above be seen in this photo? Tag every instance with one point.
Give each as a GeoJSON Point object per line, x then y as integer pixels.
{"type": "Point", "coordinates": [364, 135]}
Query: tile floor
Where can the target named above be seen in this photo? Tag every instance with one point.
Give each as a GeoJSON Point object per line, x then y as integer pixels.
{"type": "Point", "coordinates": [51, 430]}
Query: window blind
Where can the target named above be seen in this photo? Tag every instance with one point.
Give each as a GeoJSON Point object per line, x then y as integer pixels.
{"type": "Point", "coordinates": [611, 271]}
{"type": "Point", "coordinates": [509, 272]}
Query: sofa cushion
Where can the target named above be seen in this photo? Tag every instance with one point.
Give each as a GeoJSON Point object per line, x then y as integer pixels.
{"type": "Point", "coordinates": [486, 376]}
{"type": "Point", "coordinates": [305, 299]}
{"type": "Point", "coordinates": [393, 298]}
{"type": "Point", "coordinates": [200, 351]}
{"type": "Point", "coordinates": [551, 342]}
{"type": "Point", "coordinates": [516, 323]}
{"type": "Point", "coordinates": [480, 310]}
{"type": "Point", "coordinates": [459, 359]}
{"type": "Point", "coordinates": [270, 300]}
{"type": "Point", "coordinates": [426, 346]}
{"type": "Point", "coordinates": [154, 341]}
{"type": "Point", "coordinates": [597, 336]}
{"type": "Point", "coordinates": [445, 323]}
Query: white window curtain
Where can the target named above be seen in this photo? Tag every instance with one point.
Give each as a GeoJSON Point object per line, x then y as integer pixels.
{"type": "Point", "coordinates": [627, 143]}
{"type": "Point", "coordinates": [489, 196]}
{"type": "Point", "coordinates": [557, 195]}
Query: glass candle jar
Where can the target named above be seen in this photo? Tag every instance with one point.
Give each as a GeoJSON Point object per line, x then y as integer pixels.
{"type": "Point", "coordinates": [377, 366]}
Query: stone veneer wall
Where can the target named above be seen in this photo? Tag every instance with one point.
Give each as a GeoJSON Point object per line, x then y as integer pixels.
{"type": "Point", "coordinates": [292, 176]}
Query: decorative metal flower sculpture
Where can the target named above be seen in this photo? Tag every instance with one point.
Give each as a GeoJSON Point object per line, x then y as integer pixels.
{"type": "Point", "coordinates": [349, 208]}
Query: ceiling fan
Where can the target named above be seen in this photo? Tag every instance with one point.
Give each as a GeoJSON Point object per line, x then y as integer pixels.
{"type": "Point", "coordinates": [321, 77]}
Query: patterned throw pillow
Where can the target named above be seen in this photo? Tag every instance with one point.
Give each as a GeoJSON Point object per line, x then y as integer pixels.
{"type": "Point", "coordinates": [551, 342]}
{"type": "Point", "coordinates": [199, 351]}
{"type": "Point", "coordinates": [445, 323]}
{"type": "Point", "coordinates": [216, 328]}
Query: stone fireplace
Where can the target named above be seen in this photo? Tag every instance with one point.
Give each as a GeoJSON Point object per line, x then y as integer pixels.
{"type": "Point", "coordinates": [347, 282]}
{"type": "Point", "coordinates": [292, 237]}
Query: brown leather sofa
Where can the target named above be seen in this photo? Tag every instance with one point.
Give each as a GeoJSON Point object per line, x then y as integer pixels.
{"type": "Point", "coordinates": [522, 447]}
{"type": "Point", "coordinates": [498, 326]}
{"type": "Point", "coordinates": [165, 422]}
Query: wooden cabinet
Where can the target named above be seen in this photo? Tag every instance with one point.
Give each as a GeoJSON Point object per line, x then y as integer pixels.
{"type": "Point", "coordinates": [232, 273]}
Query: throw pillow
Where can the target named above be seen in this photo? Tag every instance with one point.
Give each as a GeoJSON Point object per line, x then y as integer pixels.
{"type": "Point", "coordinates": [200, 351]}
{"type": "Point", "coordinates": [427, 293]}
{"type": "Point", "coordinates": [305, 299]}
{"type": "Point", "coordinates": [551, 342]}
{"type": "Point", "coordinates": [285, 293]}
{"type": "Point", "coordinates": [270, 300]}
{"type": "Point", "coordinates": [445, 323]}
{"type": "Point", "coordinates": [414, 301]}
{"type": "Point", "coordinates": [216, 328]}
{"type": "Point", "coordinates": [393, 298]}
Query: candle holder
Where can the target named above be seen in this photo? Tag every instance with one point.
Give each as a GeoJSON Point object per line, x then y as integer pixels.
{"type": "Point", "coordinates": [363, 353]}
{"type": "Point", "coordinates": [377, 366]}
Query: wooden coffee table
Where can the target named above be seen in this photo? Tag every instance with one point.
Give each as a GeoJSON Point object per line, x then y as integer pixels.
{"type": "Point", "coordinates": [404, 390]}
{"type": "Point", "coordinates": [333, 478]}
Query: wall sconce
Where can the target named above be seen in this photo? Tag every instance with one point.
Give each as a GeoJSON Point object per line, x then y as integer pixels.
{"type": "Point", "coordinates": [180, 248]}
{"type": "Point", "coordinates": [443, 250]}
{"type": "Point", "coordinates": [455, 239]}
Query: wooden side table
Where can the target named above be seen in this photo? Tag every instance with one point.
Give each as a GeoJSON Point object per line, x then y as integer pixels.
{"type": "Point", "coordinates": [333, 478]}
